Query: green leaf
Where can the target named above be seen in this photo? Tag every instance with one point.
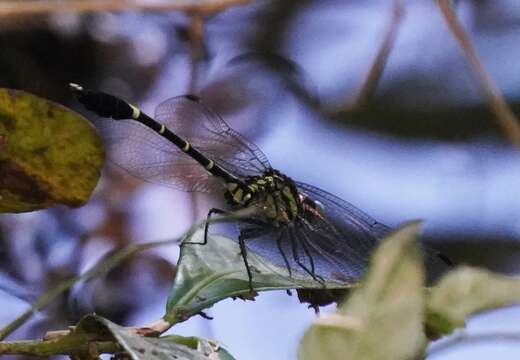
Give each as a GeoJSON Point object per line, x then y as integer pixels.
{"type": "Point", "coordinates": [95, 335]}
{"type": "Point", "coordinates": [464, 292]}
{"type": "Point", "coordinates": [139, 347]}
{"type": "Point", "coordinates": [48, 154]}
{"type": "Point", "coordinates": [208, 347]}
{"type": "Point", "coordinates": [383, 317]}
{"type": "Point", "coordinates": [209, 273]}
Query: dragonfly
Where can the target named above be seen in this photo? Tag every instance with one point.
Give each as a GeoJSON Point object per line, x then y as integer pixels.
{"type": "Point", "coordinates": [293, 224]}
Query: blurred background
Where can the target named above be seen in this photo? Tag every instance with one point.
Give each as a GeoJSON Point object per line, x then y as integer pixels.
{"type": "Point", "coordinates": [420, 143]}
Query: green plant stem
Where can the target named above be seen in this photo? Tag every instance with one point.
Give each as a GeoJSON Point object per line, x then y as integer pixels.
{"type": "Point", "coordinates": [74, 345]}
{"type": "Point", "coordinates": [107, 263]}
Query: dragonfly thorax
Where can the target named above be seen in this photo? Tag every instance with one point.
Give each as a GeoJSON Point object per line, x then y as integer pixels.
{"type": "Point", "coordinates": [273, 193]}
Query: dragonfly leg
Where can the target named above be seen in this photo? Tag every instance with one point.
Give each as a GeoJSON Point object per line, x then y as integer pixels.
{"type": "Point", "coordinates": [243, 251]}
{"type": "Point", "coordinates": [206, 226]}
{"type": "Point", "coordinates": [306, 251]}
{"type": "Point", "coordinates": [246, 234]}
{"type": "Point", "coordinates": [304, 242]}
{"type": "Point", "coordinates": [279, 244]}
{"type": "Point", "coordinates": [296, 257]}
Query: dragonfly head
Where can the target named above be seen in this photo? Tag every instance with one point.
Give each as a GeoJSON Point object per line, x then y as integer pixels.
{"type": "Point", "coordinates": [312, 207]}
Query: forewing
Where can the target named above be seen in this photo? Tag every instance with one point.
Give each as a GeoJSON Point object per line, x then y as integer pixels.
{"type": "Point", "coordinates": [205, 130]}
{"type": "Point", "coordinates": [147, 155]}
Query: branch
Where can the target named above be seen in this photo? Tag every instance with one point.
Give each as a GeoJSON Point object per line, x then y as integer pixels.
{"type": "Point", "coordinates": [107, 263]}
{"type": "Point", "coordinates": [75, 345]}
{"type": "Point", "coordinates": [371, 80]}
{"type": "Point", "coordinates": [152, 329]}
{"type": "Point", "coordinates": [504, 115]}
{"type": "Point", "coordinates": [33, 7]}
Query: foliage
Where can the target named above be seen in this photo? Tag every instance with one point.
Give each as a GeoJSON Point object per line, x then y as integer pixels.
{"type": "Point", "coordinates": [389, 298]}
{"type": "Point", "coordinates": [50, 155]}
{"type": "Point", "coordinates": [43, 148]}
{"type": "Point", "coordinates": [210, 273]}
{"type": "Point", "coordinates": [95, 335]}
{"type": "Point", "coordinates": [466, 291]}
{"type": "Point", "coordinates": [387, 316]}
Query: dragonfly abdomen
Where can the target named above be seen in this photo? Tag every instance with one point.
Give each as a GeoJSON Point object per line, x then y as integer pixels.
{"type": "Point", "coordinates": [107, 105]}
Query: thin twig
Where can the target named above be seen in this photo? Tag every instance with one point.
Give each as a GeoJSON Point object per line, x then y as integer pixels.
{"type": "Point", "coordinates": [78, 346]}
{"type": "Point", "coordinates": [197, 50]}
{"type": "Point", "coordinates": [463, 338]}
{"type": "Point", "coordinates": [152, 329]}
{"type": "Point", "coordinates": [371, 80]}
{"type": "Point", "coordinates": [505, 117]}
{"type": "Point", "coordinates": [107, 263]}
{"type": "Point", "coordinates": [35, 7]}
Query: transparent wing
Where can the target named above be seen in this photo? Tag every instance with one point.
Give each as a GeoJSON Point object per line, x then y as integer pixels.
{"type": "Point", "coordinates": [291, 247]}
{"type": "Point", "coordinates": [147, 155]}
{"type": "Point", "coordinates": [343, 237]}
{"type": "Point", "coordinates": [334, 245]}
{"type": "Point", "coordinates": [333, 240]}
{"type": "Point", "coordinates": [189, 118]}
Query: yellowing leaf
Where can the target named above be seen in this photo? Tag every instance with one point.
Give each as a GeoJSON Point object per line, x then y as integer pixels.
{"type": "Point", "coordinates": [48, 154]}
